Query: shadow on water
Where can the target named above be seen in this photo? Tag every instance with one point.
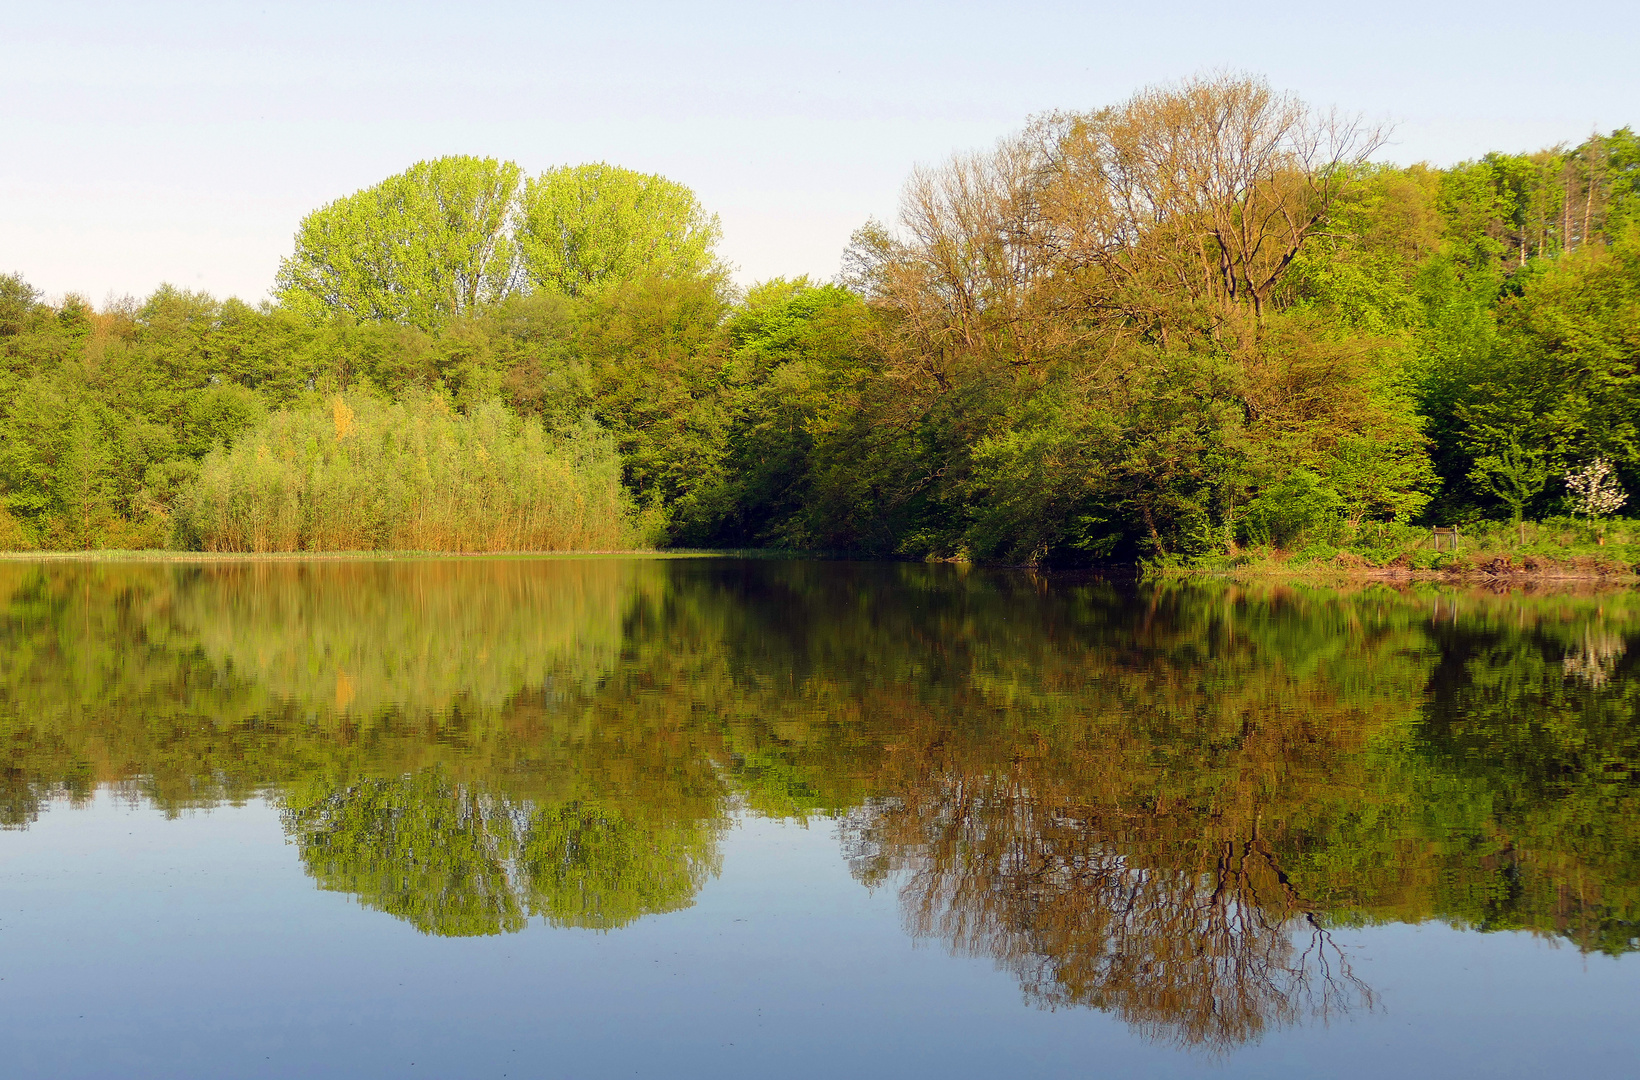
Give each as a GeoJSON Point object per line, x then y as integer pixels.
{"type": "Point", "coordinates": [1159, 800]}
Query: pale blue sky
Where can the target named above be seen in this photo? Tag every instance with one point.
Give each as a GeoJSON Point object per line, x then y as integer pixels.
{"type": "Point", "coordinates": [182, 142]}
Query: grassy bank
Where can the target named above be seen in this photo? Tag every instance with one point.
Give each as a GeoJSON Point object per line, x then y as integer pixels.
{"type": "Point", "coordinates": [165, 555]}
{"type": "Point", "coordinates": [1553, 548]}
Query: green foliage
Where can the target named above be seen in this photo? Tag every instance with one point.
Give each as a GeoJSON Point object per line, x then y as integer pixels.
{"type": "Point", "coordinates": [105, 431]}
{"type": "Point", "coordinates": [419, 848]}
{"type": "Point", "coordinates": [1441, 347]}
{"type": "Point", "coordinates": [1513, 474]}
{"type": "Point", "coordinates": [432, 242]}
{"type": "Point", "coordinates": [583, 227]}
{"type": "Point", "coordinates": [19, 302]}
{"type": "Point", "coordinates": [649, 350]}
{"type": "Point", "coordinates": [1036, 487]}
{"type": "Point", "coordinates": [456, 861]}
{"type": "Point", "coordinates": [588, 865]}
{"type": "Point", "coordinates": [13, 535]}
{"type": "Point", "coordinates": [782, 348]}
{"type": "Point", "coordinates": [1298, 506]}
{"type": "Point", "coordinates": [355, 474]}
{"type": "Point", "coordinates": [454, 236]}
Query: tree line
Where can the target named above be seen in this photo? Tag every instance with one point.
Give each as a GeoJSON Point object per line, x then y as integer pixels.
{"type": "Point", "coordinates": [1195, 322]}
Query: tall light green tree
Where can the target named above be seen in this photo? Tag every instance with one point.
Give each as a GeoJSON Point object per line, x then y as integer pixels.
{"type": "Point", "coordinates": [434, 241]}
{"type": "Point", "coordinates": [583, 226]}
{"type": "Point", "coordinates": [1513, 473]}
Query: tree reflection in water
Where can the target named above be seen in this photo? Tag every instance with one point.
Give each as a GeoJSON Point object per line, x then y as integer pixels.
{"type": "Point", "coordinates": [1202, 944]}
{"type": "Point", "coordinates": [454, 860]}
{"type": "Point", "coordinates": [1156, 800]}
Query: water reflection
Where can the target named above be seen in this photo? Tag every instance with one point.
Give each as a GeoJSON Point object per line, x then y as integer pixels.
{"type": "Point", "coordinates": [1201, 943]}
{"type": "Point", "coordinates": [456, 859]}
{"type": "Point", "coordinates": [1163, 801]}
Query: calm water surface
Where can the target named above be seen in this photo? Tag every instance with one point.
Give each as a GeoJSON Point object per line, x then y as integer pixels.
{"type": "Point", "coordinates": [709, 817]}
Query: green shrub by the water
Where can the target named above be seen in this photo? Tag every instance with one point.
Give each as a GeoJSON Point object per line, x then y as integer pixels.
{"type": "Point", "coordinates": [360, 474]}
{"type": "Point", "coordinates": [1554, 546]}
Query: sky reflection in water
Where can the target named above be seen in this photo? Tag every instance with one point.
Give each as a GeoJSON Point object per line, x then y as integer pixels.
{"type": "Point", "coordinates": [845, 817]}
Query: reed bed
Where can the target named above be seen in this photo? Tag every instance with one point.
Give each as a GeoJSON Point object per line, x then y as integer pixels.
{"type": "Point", "coordinates": [360, 474]}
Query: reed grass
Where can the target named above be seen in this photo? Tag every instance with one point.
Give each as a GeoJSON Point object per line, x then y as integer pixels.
{"type": "Point", "coordinates": [358, 474]}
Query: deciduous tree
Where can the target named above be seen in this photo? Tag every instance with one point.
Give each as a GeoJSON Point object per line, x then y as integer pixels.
{"type": "Point", "coordinates": [583, 227]}
{"type": "Point", "coordinates": [432, 242]}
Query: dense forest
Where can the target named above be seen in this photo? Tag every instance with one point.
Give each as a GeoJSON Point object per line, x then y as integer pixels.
{"type": "Point", "coordinates": [1199, 322]}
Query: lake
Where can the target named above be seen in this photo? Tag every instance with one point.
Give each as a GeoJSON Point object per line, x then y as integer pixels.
{"type": "Point", "coordinates": [711, 817]}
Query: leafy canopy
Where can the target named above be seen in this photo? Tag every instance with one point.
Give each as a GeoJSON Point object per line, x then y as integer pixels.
{"type": "Point", "coordinates": [431, 242]}
{"type": "Point", "coordinates": [583, 226]}
{"type": "Point", "coordinates": [456, 235]}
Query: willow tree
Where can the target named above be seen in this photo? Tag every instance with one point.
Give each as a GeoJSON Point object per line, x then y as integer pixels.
{"type": "Point", "coordinates": [585, 226]}
{"type": "Point", "coordinates": [432, 242]}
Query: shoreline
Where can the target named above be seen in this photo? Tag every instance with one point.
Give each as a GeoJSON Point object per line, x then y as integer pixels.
{"type": "Point", "coordinates": [161, 556]}
{"type": "Point", "coordinates": [1495, 572]}
{"type": "Point", "coordinates": [1509, 576]}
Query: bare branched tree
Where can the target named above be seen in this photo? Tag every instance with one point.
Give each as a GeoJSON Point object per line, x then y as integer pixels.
{"type": "Point", "coordinates": [959, 276]}
{"type": "Point", "coordinates": [1205, 191]}
{"type": "Point", "coordinates": [1180, 210]}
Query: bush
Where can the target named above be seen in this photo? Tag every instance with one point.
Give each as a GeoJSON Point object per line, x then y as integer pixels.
{"type": "Point", "coordinates": [13, 536]}
{"type": "Point", "coordinates": [1299, 507]}
{"type": "Point", "coordinates": [357, 474]}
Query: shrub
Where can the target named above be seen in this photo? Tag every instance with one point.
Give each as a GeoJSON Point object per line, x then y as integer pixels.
{"type": "Point", "coordinates": [13, 536]}
{"type": "Point", "coordinates": [1298, 507]}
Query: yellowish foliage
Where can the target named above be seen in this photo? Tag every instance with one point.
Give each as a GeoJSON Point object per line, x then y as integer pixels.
{"type": "Point", "coordinates": [342, 415]}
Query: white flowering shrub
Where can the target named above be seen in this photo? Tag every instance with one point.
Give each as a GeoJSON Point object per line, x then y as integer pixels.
{"type": "Point", "coordinates": [1594, 489]}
